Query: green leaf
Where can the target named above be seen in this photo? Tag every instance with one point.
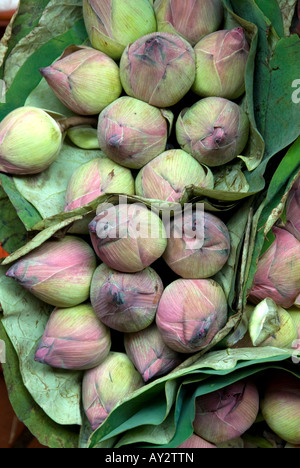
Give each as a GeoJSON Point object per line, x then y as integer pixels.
{"type": "Point", "coordinates": [13, 234]}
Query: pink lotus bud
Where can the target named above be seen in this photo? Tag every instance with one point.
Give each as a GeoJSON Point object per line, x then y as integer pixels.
{"type": "Point", "coordinates": [280, 405]}
{"type": "Point", "coordinates": [214, 131]}
{"type": "Point", "coordinates": [85, 81]}
{"type": "Point", "coordinates": [167, 176]}
{"type": "Point", "coordinates": [131, 132]}
{"type": "Point", "coordinates": [227, 413]}
{"type": "Point", "coordinates": [191, 313]}
{"type": "Point", "coordinates": [74, 339]}
{"type": "Point", "coordinates": [128, 238]}
{"type": "Point", "coordinates": [221, 59]}
{"type": "Point", "coordinates": [293, 210]}
{"type": "Point", "coordinates": [158, 68]}
{"type": "Point", "coordinates": [112, 24]}
{"type": "Point", "coordinates": [278, 271]}
{"type": "Point", "coordinates": [59, 272]}
{"type": "Point", "coordinates": [198, 246]}
{"type": "Point", "coordinates": [126, 302]}
{"type": "Point", "coordinates": [149, 353]}
{"type": "Point", "coordinates": [196, 442]}
{"type": "Point", "coordinates": [30, 141]}
{"type": "Point", "coordinates": [95, 178]}
{"type": "Point", "coordinates": [106, 385]}
{"type": "Point", "coordinates": [189, 18]}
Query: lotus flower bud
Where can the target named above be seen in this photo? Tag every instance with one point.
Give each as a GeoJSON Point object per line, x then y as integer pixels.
{"type": "Point", "coordinates": [131, 132]}
{"type": "Point", "coordinates": [221, 59]}
{"type": "Point", "coordinates": [84, 136]}
{"type": "Point", "coordinates": [167, 176]}
{"type": "Point", "coordinates": [106, 385]}
{"type": "Point", "coordinates": [85, 81]}
{"type": "Point", "coordinates": [227, 413]}
{"type": "Point", "coordinates": [271, 325]}
{"type": "Point", "coordinates": [293, 210]}
{"type": "Point", "coordinates": [198, 245]}
{"type": "Point", "coordinates": [59, 272]}
{"type": "Point", "coordinates": [95, 178]}
{"type": "Point", "coordinates": [74, 339]}
{"type": "Point", "coordinates": [297, 301]}
{"type": "Point", "coordinates": [158, 68]}
{"type": "Point", "coordinates": [149, 353]}
{"type": "Point", "coordinates": [294, 313]}
{"type": "Point", "coordinates": [214, 131]}
{"type": "Point", "coordinates": [280, 405]}
{"type": "Point", "coordinates": [126, 302]}
{"type": "Point", "coordinates": [30, 141]}
{"type": "Point", "coordinates": [191, 313]}
{"type": "Point", "coordinates": [190, 19]}
{"type": "Point", "coordinates": [128, 238]}
{"type": "Point", "coordinates": [278, 271]}
{"type": "Point", "coordinates": [196, 442]}
{"type": "Point", "coordinates": [112, 24]}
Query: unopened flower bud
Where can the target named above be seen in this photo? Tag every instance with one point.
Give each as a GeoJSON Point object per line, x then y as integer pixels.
{"type": "Point", "coordinates": [74, 339]}
{"type": "Point", "coordinates": [59, 272]}
{"type": "Point", "coordinates": [30, 141]}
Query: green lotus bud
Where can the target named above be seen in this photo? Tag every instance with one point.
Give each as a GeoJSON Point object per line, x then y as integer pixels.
{"type": "Point", "coordinates": [113, 24]}
{"type": "Point", "coordinates": [106, 385]}
{"type": "Point", "coordinates": [74, 339]}
{"type": "Point", "coordinates": [198, 245]}
{"type": "Point", "coordinates": [131, 132]}
{"type": "Point", "coordinates": [126, 302]}
{"type": "Point", "coordinates": [128, 238]}
{"type": "Point", "coordinates": [191, 313]}
{"type": "Point", "coordinates": [227, 413]}
{"type": "Point", "coordinates": [95, 178]}
{"type": "Point", "coordinates": [149, 353]}
{"type": "Point", "coordinates": [158, 68]}
{"type": "Point", "coordinates": [59, 272]}
{"type": "Point", "coordinates": [214, 131]}
{"type": "Point", "coordinates": [295, 315]}
{"type": "Point", "coordinates": [221, 59]}
{"type": "Point", "coordinates": [167, 176]}
{"type": "Point", "coordinates": [280, 405]}
{"type": "Point", "coordinates": [30, 141]}
{"type": "Point", "coordinates": [84, 136]}
{"type": "Point", "coordinates": [85, 80]}
{"type": "Point", "coordinates": [191, 19]}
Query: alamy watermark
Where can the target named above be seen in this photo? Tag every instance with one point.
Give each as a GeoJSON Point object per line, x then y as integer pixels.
{"type": "Point", "coordinates": [296, 93]}
{"type": "Point", "coordinates": [2, 92]}
{"type": "Point", "coordinates": [2, 352]}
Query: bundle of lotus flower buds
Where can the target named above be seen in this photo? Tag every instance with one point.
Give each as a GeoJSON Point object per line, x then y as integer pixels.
{"type": "Point", "coordinates": [144, 58]}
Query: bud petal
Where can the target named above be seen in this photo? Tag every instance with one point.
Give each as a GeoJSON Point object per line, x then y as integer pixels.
{"type": "Point", "coordinates": [106, 385]}
{"type": "Point", "coordinates": [126, 302]}
{"type": "Point", "coordinates": [30, 141]}
{"type": "Point", "coordinates": [59, 272]}
{"type": "Point", "coordinates": [74, 339]}
{"type": "Point", "coordinates": [191, 313]}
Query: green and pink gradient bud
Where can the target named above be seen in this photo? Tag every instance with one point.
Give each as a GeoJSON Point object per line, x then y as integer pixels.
{"type": "Point", "coordinates": [128, 238]}
{"type": "Point", "coordinates": [278, 271]}
{"type": "Point", "coordinates": [280, 405]}
{"type": "Point", "coordinates": [85, 80]}
{"type": "Point", "coordinates": [126, 302]}
{"type": "Point", "coordinates": [169, 175]}
{"type": "Point", "coordinates": [191, 313]}
{"type": "Point", "coordinates": [104, 386]}
{"type": "Point", "coordinates": [59, 272]}
{"type": "Point", "coordinates": [74, 339]}
{"type": "Point", "coordinates": [293, 210]}
{"type": "Point", "coordinates": [149, 353]}
{"type": "Point", "coordinates": [191, 19]}
{"type": "Point", "coordinates": [30, 141]}
{"type": "Point", "coordinates": [221, 59]}
{"type": "Point", "coordinates": [132, 132]}
{"type": "Point", "coordinates": [196, 442]}
{"type": "Point", "coordinates": [214, 131]}
{"type": "Point", "coordinates": [158, 68]}
{"type": "Point", "coordinates": [95, 178]}
{"type": "Point", "coordinates": [113, 24]}
{"type": "Point", "coordinates": [227, 413]}
{"type": "Point", "coordinates": [198, 245]}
